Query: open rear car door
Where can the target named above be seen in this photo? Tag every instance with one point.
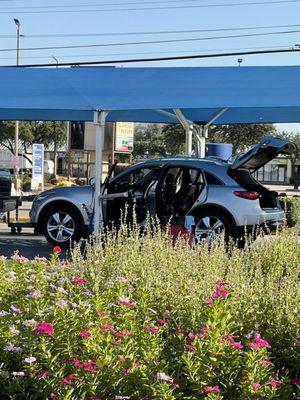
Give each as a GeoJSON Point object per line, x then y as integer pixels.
{"type": "Point", "coordinates": [266, 150]}
{"type": "Point", "coordinates": [247, 163]}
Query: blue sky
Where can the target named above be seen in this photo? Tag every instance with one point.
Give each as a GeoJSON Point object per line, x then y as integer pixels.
{"type": "Point", "coordinates": [284, 13]}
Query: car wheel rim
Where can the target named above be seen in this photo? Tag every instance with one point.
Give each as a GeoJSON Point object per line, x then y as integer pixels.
{"type": "Point", "coordinates": [61, 227]}
{"type": "Point", "coordinates": [208, 228]}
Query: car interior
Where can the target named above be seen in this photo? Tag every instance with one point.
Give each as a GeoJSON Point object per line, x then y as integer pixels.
{"type": "Point", "coordinates": [178, 191]}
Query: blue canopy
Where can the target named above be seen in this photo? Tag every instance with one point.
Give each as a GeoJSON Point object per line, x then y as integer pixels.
{"type": "Point", "coordinates": [251, 94]}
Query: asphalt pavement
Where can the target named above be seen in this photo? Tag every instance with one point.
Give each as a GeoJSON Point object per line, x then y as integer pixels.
{"type": "Point", "coordinates": [28, 244]}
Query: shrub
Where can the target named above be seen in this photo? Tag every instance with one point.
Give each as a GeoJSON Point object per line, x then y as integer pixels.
{"type": "Point", "coordinates": [140, 318]}
{"type": "Point", "coordinates": [291, 206]}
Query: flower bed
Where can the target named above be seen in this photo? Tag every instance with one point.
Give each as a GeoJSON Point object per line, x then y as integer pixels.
{"type": "Point", "coordinates": [139, 318]}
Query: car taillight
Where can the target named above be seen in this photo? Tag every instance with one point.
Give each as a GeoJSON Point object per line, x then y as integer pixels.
{"type": "Point", "coordinates": [247, 195]}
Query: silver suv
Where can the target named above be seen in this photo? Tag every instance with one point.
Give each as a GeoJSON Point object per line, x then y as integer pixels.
{"type": "Point", "coordinates": [209, 196]}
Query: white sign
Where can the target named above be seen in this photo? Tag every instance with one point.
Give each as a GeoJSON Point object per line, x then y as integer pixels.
{"type": "Point", "coordinates": [37, 166]}
{"type": "Point", "coordinates": [124, 136]}
{"type": "Point", "coordinates": [7, 159]}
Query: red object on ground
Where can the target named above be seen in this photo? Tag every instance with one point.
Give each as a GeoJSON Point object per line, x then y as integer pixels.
{"type": "Point", "coordinates": [178, 232]}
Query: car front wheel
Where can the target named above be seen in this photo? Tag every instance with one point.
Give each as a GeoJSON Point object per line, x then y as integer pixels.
{"type": "Point", "coordinates": [62, 225]}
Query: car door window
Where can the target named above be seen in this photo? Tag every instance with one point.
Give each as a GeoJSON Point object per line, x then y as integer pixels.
{"type": "Point", "coordinates": [139, 179]}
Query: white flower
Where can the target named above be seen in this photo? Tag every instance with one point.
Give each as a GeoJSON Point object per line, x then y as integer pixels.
{"type": "Point", "coordinates": [30, 322]}
{"type": "Point", "coordinates": [12, 276]}
{"type": "Point", "coordinates": [14, 330]}
{"type": "Point", "coordinates": [121, 279]}
{"type": "Point", "coordinates": [36, 294]}
{"type": "Point", "coordinates": [3, 258]}
{"type": "Point", "coordinates": [122, 397]}
{"type": "Point", "coordinates": [164, 377]}
{"type": "Point", "coordinates": [88, 293]}
{"type": "Point", "coordinates": [61, 290]}
{"type": "Point", "coordinates": [12, 348]}
{"type": "Point", "coordinates": [15, 309]}
{"type": "Point", "coordinates": [30, 360]}
{"type": "Point", "coordinates": [20, 373]}
{"type": "Point", "coordinates": [62, 303]}
{"type": "Point", "coordinates": [3, 313]}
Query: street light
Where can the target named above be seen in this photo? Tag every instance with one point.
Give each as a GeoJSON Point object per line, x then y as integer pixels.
{"type": "Point", "coordinates": [56, 60]}
{"type": "Point", "coordinates": [240, 60]}
{"type": "Point", "coordinates": [17, 181]}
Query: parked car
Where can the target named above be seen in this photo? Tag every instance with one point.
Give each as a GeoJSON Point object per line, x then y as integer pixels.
{"type": "Point", "coordinates": [215, 196]}
{"type": "Point", "coordinates": [5, 183]}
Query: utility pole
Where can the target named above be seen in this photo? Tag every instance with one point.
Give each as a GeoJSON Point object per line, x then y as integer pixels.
{"type": "Point", "coordinates": [17, 180]}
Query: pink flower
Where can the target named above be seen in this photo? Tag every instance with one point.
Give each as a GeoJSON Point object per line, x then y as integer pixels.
{"type": "Point", "coordinates": [236, 345]}
{"type": "Point", "coordinates": [275, 382]}
{"type": "Point", "coordinates": [88, 366]}
{"type": "Point", "coordinates": [85, 334]}
{"type": "Point", "coordinates": [256, 385]}
{"type": "Point", "coordinates": [261, 342]}
{"type": "Point", "coordinates": [69, 379]}
{"type": "Point", "coordinates": [297, 342]}
{"type": "Point", "coordinates": [254, 346]}
{"type": "Point", "coordinates": [189, 347]}
{"type": "Point", "coordinates": [125, 301]}
{"type": "Point", "coordinates": [221, 283]}
{"type": "Point", "coordinates": [265, 362]}
{"type": "Point", "coordinates": [152, 328]}
{"type": "Point", "coordinates": [219, 292]}
{"type": "Point", "coordinates": [123, 334]}
{"type": "Point", "coordinates": [42, 375]}
{"type": "Point", "coordinates": [79, 281]}
{"type": "Point", "coordinates": [181, 331]}
{"type": "Point", "coordinates": [57, 249]}
{"type": "Point", "coordinates": [295, 381]}
{"type": "Point", "coordinates": [44, 328]}
{"type": "Point", "coordinates": [53, 396]}
{"type": "Point", "coordinates": [191, 336]}
{"type": "Point", "coordinates": [211, 389]}
{"type": "Point", "coordinates": [107, 328]}
{"type": "Point", "coordinates": [122, 360]}
{"type": "Point", "coordinates": [208, 301]}
{"type": "Point", "coordinates": [161, 321]}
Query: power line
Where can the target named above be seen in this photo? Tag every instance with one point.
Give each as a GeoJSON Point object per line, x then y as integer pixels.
{"type": "Point", "coordinates": [250, 3]}
{"type": "Point", "coordinates": [151, 42]}
{"type": "Point", "coordinates": [100, 5]}
{"type": "Point", "coordinates": [150, 52]}
{"type": "Point", "coordinates": [154, 59]}
{"type": "Point", "coordinates": [137, 33]}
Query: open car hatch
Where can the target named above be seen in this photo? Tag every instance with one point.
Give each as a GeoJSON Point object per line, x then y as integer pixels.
{"type": "Point", "coordinates": [268, 148]}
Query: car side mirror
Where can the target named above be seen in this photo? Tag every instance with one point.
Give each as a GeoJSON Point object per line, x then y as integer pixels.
{"type": "Point", "coordinates": [92, 181]}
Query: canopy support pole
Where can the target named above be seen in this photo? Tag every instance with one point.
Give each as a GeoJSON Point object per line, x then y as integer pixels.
{"type": "Point", "coordinates": [202, 133]}
{"type": "Point", "coordinates": [189, 129]}
{"type": "Point", "coordinates": [99, 122]}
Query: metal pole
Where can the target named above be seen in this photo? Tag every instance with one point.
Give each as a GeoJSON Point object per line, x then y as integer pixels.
{"type": "Point", "coordinates": [189, 139]}
{"type": "Point", "coordinates": [99, 122]}
{"type": "Point", "coordinates": [17, 181]}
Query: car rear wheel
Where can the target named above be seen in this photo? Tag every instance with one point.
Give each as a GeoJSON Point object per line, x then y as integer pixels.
{"type": "Point", "coordinates": [213, 225]}
{"type": "Point", "coordinates": [62, 225]}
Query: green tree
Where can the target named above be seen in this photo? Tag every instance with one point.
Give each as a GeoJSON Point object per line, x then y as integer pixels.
{"type": "Point", "coordinates": [295, 138]}
{"type": "Point", "coordinates": [49, 133]}
{"type": "Point", "coordinates": [170, 139]}
{"type": "Point", "coordinates": [240, 136]}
